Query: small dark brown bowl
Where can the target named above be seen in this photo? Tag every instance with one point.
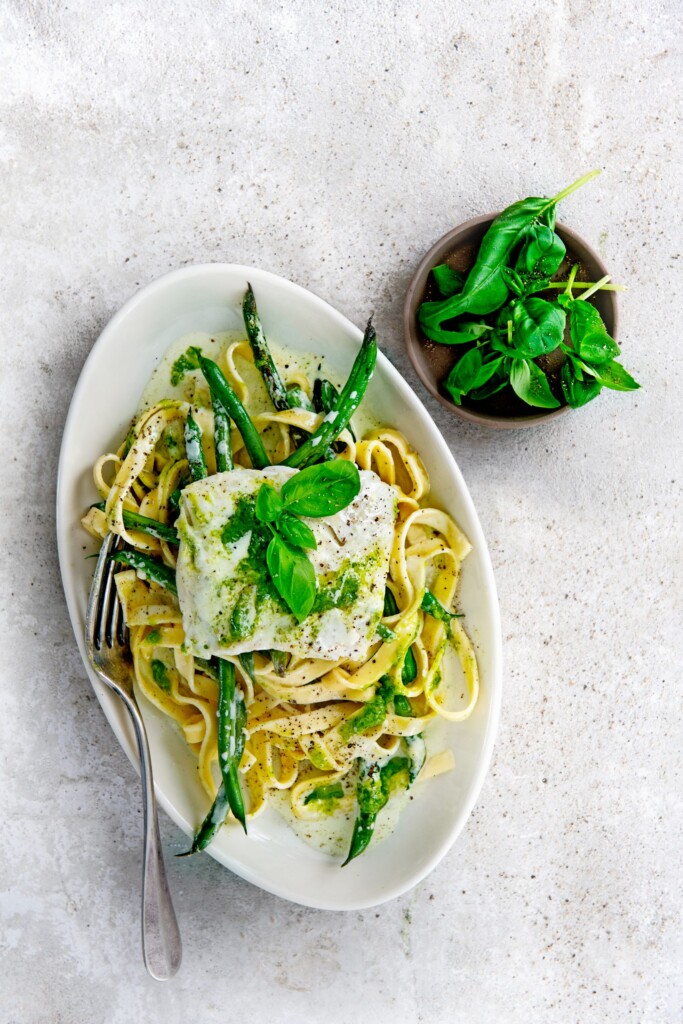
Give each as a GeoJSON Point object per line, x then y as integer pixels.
{"type": "Point", "coordinates": [433, 362]}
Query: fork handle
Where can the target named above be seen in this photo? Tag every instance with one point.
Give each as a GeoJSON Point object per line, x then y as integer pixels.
{"type": "Point", "coordinates": [161, 945]}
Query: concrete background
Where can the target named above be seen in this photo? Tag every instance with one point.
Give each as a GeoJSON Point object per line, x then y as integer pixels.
{"type": "Point", "coordinates": [333, 143]}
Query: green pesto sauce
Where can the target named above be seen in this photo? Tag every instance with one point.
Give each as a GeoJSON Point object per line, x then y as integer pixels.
{"type": "Point", "coordinates": [241, 521]}
{"type": "Point", "coordinates": [369, 716]}
{"type": "Point", "coordinates": [160, 675]}
{"type": "Point", "coordinates": [189, 360]}
{"type": "Point", "coordinates": [154, 637]}
{"type": "Point", "coordinates": [337, 590]}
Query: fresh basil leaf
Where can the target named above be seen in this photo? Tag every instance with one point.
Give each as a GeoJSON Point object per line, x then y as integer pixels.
{"type": "Point", "coordinates": [485, 288]}
{"type": "Point", "coordinates": [296, 532]}
{"type": "Point", "coordinates": [577, 390]}
{"type": "Point", "coordinates": [542, 252]}
{"type": "Point", "coordinates": [293, 576]}
{"type": "Point", "coordinates": [589, 335]}
{"type": "Point", "coordinates": [448, 281]}
{"type": "Point", "coordinates": [496, 384]}
{"type": "Point", "coordinates": [269, 504]}
{"type": "Point", "coordinates": [463, 375]}
{"type": "Point", "coordinates": [538, 327]}
{"type": "Point", "coordinates": [461, 334]}
{"type": "Point", "coordinates": [614, 376]}
{"type": "Point", "coordinates": [513, 281]}
{"type": "Point", "coordinates": [321, 490]}
{"type": "Point", "coordinates": [531, 384]}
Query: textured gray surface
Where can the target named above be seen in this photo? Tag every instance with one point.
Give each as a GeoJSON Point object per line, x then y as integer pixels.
{"type": "Point", "coordinates": [333, 144]}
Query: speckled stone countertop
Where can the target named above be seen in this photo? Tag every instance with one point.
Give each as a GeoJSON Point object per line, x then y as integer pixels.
{"type": "Point", "coordinates": [333, 144]}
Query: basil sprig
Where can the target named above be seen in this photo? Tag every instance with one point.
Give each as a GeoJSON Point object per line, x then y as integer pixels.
{"type": "Point", "coordinates": [495, 311]}
{"type": "Point", "coordinates": [315, 492]}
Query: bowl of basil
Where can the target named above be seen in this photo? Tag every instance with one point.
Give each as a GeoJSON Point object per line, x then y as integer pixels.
{"type": "Point", "coordinates": [511, 318]}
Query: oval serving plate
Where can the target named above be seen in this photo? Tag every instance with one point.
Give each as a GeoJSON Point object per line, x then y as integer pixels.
{"type": "Point", "coordinates": [208, 298]}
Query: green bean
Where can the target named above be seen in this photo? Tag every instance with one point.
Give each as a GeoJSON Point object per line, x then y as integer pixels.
{"type": "Point", "coordinates": [224, 394]}
{"type": "Point", "coordinates": [347, 403]}
{"type": "Point", "coordinates": [193, 448]}
{"type": "Point", "coordinates": [263, 361]}
{"type": "Point", "coordinates": [134, 521]}
{"type": "Point", "coordinates": [221, 438]}
{"type": "Point", "coordinates": [231, 721]}
{"type": "Point", "coordinates": [149, 568]}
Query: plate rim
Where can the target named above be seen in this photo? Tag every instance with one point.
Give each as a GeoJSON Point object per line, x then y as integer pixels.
{"type": "Point", "coordinates": [107, 699]}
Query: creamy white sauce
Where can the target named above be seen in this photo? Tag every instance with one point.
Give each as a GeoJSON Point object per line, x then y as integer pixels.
{"type": "Point", "coordinates": [290, 365]}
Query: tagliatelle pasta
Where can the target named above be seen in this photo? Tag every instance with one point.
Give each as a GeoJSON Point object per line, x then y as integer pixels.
{"type": "Point", "coordinates": [298, 744]}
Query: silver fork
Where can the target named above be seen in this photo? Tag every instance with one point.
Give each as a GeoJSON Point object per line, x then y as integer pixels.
{"type": "Point", "coordinates": [106, 641]}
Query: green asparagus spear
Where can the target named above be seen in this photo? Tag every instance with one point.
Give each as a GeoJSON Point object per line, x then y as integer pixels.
{"type": "Point", "coordinates": [212, 822]}
{"type": "Point", "coordinates": [221, 438]}
{"type": "Point", "coordinates": [222, 393]}
{"type": "Point", "coordinates": [231, 721]}
{"type": "Point", "coordinates": [149, 568]}
{"type": "Point", "coordinates": [349, 400]}
{"type": "Point", "coordinates": [263, 361]}
{"type": "Point", "coordinates": [229, 796]}
{"type": "Point", "coordinates": [374, 789]}
{"type": "Point", "coordinates": [281, 397]}
{"type": "Point", "coordinates": [193, 448]}
{"type": "Point", "coordinates": [325, 395]}
{"type": "Point", "coordinates": [372, 796]}
{"type": "Point", "coordinates": [134, 521]}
